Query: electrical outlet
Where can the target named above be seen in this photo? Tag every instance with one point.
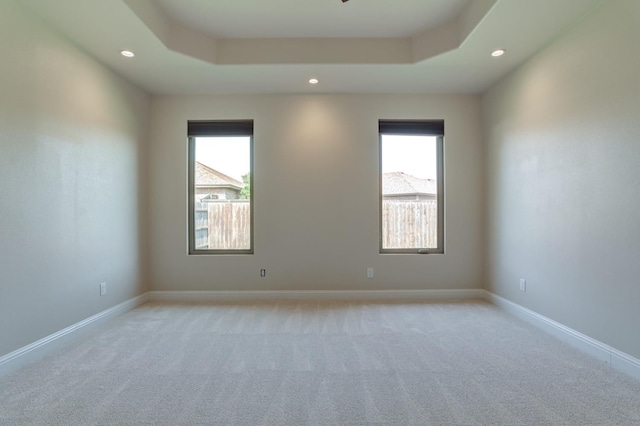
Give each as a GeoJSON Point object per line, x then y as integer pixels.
{"type": "Point", "coordinates": [103, 289]}
{"type": "Point", "coordinates": [369, 272]}
{"type": "Point", "coordinates": [523, 284]}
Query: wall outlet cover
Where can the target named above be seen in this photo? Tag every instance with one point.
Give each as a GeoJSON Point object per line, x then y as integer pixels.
{"type": "Point", "coordinates": [523, 284]}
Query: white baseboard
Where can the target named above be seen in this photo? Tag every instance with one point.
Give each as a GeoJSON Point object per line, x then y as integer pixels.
{"type": "Point", "coordinates": [603, 352]}
{"type": "Point", "coordinates": [42, 347]}
{"type": "Point", "coordinates": [314, 295]}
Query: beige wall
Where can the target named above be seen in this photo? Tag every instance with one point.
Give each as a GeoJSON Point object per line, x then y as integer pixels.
{"type": "Point", "coordinates": [71, 133]}
{"type": "Point", "coordinates": [315, 194]}
{"type": "Point", "coordinates": [563, 161]}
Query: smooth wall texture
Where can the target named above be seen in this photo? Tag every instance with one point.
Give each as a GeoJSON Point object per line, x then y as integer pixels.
{"type": "Point", "coordinates": [315, 194]}
{"type": "Point", "coordinates": [71, 169]}
{"type": "Point", "coordinates": [563, 158]}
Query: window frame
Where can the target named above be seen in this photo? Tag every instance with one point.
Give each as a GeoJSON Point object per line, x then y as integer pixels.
{"type": "Point", "coordinates": [213, 128]}
{"type": "Point", "coordinates": [418, 128]}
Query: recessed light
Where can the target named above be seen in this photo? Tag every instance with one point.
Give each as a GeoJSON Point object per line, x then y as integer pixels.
{"type": "Point", "coordinates": [127, 53]}
{"type": "Point", "coordinates": [498, 52]}
{"type": "Point", "coordinates": [313, 81]}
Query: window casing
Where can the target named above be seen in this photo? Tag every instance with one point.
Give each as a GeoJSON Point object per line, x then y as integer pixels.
{"type": "Point", "coordinates": [411, 182]}
{"type": "Point", "coordinates": [220, 187]}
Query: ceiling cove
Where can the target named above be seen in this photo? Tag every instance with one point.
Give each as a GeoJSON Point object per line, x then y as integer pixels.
{"type": "Point", "coordinates": [194, 41]}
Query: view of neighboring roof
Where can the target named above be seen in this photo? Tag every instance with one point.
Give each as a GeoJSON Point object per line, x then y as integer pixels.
{"type": "Point", "coordinates": [206, 176]}
{"type": "Point", "coordinates": [400, 183]}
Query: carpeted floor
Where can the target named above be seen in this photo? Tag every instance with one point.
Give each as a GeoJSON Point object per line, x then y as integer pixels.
{"type": "Point", "coordinates": [290, 363]}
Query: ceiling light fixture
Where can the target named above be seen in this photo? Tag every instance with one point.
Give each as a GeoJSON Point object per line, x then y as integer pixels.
{"type": "Point", "coordinates": [313, 81]}
{"type": "Point", "coordinates": [127, 53]}
{"type": "Point", "coordinates": [498, 52]}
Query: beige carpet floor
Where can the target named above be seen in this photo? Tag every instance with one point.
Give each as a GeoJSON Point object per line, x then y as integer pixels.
{"type": "Point", "coordinates": [289, 363]}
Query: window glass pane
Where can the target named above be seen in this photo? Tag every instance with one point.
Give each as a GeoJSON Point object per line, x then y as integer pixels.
{"type": "Point", "coordinates": [409, 167]}
{"type": "Point", "coordinates": [222, 193]}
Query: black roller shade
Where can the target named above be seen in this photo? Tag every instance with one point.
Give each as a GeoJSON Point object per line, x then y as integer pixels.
{"type": "Point", "coordinates": [412, 127]}
{"type": "Point", "coordinates": [220, 128]}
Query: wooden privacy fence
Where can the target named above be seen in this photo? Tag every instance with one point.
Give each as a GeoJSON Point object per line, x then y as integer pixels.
{"type": "Point", "coordinates": [409, 224]}
{"type": "Point", "coordinates": [223, 225]}
{"type": "Point", "coordinates": [201, 222]}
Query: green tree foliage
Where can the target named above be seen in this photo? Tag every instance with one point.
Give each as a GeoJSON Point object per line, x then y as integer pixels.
{"type": "Point", "coordinates": [245, 192]}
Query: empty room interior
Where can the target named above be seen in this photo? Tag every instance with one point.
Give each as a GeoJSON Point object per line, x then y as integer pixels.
{"type": "Point", "coordinates": [524, 308]}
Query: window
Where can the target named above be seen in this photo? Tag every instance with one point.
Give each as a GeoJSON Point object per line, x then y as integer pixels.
{"type": "Point", "coordinates": [411, 186]}
{"type": "Point", "coordinates": [220, 187]}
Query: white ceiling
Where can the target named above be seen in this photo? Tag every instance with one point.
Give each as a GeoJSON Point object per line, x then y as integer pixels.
{"type": "Point", "coordinates": [275, 46]}
{"type": "Point", "coordinates": [312, 18]}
